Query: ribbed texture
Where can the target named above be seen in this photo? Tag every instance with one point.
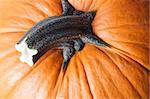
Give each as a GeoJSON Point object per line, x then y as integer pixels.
{"type": "Point", "coordinates": [116, 73]}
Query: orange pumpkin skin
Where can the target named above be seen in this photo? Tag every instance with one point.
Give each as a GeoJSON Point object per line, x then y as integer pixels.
{"type": "Point", "coordinates": [119, 72]}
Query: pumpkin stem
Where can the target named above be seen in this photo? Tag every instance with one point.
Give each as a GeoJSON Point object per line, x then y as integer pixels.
{"type": "Point", "coordinates": [67, 7]}
{"type": "Point", "coordinates": [78, 45]}
{"type": "Point", "coordinates": [26, 53]}
{"type": "Point", "coordinates": [93, 39]}
{"type": "Point", "coordinates": [69, 32]}
{"type": "Point", "coordinates": [89, 16]}
{"type": "Point", "coordinates": [68, 52]}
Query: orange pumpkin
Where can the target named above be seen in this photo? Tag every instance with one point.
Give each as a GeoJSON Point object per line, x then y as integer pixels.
{"type": "Point", "coordinates": [119, 72]}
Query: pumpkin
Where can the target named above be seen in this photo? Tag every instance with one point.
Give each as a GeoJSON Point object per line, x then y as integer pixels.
{"type": "Point", "coordinates": [119, 72]}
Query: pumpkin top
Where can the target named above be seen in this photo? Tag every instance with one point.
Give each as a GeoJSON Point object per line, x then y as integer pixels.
{"type": "Point", "coordinates": [120, 71]}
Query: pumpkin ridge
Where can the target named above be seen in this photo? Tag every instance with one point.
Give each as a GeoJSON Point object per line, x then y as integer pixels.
{"type": "Point", "coordinates": [121, 72]}
{"type": "Point", "coordinates": [102, 85]}
{"type": "Point", "coordinates": [86, 77]}
{"type": "Point", "coordinates": [25, 19]}
{"type": "Point", "coordinates": [19, 81]}
{"type": "Point", "coordinates": [104, 1]}
{"type": "Point", "coordinates": [118, 26]}
{"type": "Point", "coordinates": [7, 30]}
{"type": "Point", "coordinates": [59, 82]}
{"type": "Point", "coordinates": [113, 83]}
{"type": "Point", "coordinates": [28, 73]}
{"type": "Point", "coordinates": [44, 7]}
{"type": "Point", "coordinates": [56, 83]}
{"type": "Point", "coordinates": [131, 42]}
{"type": "Point", "coordinates": [126, 58]}
{"type": "Point", "coordinates": [6, 53]}
{"type": "Point", "coordinates": [36, 9]}
{"type": "Point", "coordinates": [123, 76]}
{"type": "Point", "coordinates": [77, 72]}
{"type": "Point", "coordinates": [131, 56]}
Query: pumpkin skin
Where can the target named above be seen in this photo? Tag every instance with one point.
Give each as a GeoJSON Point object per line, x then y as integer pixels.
{"type": "Point", "coordinates": [118, 72]}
